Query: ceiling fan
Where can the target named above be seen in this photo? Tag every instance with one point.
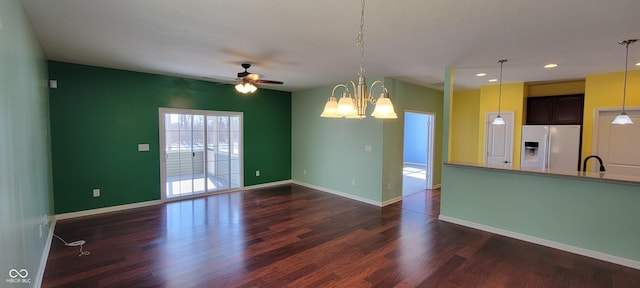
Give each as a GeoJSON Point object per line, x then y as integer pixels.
{"type": "Point", "coordinates": [247, 80]}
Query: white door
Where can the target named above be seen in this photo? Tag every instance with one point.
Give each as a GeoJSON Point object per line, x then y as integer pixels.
{"type": "Point", "coordinates": [498, 146]}
{"type": "Point", "coordinates": [431, 127]}
{"type": "Point", "coordinates": [617, 145]}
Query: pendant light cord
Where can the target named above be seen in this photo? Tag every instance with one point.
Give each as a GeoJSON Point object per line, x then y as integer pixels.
{"type": "Point", "coordinates": [500, 86]}
{"type": "Point", "coordinates": [626, 64]}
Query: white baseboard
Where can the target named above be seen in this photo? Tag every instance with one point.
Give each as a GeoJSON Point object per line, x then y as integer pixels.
{"type": "Point", "coordinates": [156, 202]}
{"type": "Point", "coordinates": [414, 163]}
{"type": "Point", "coordinates": [350, 196]}
{"type": "Point", "coordinates": [45, 255]}
{"type": "Point", "coordinates": [252, 187]}
{"type": "Point", "coordinates": [391, 201]}
{"type": "Point", "coordinates": [345, 195]}
{"type": "Point", "coordinates": [259, 186]}
{"type": "Point", "coordinates": [106, 209]}
{"type": "Point", "coordinates": [544, 242]}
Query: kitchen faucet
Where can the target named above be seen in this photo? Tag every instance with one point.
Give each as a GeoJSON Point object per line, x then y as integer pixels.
{"type": "Point", "coordinates": [584, 164]}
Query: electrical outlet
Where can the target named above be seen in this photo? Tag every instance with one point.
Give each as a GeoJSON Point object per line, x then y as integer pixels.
{"type": "Point", "coordinates": [40, 230]}
{"type": "Point", "coordinates": [353, 181]}
{"type": "Point", "coordinates": [257, 173]}
{"type": "Point", "coordinates": [304, 171]}
{"type": "Point", "coordinates": [389, 186]}
{"type": "Point", "coordinates": [96, 192]}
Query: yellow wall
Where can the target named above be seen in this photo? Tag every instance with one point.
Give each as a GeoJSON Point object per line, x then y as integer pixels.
{"type": "Point", "coordinates": [464, 126]}
{"type": "Point", "coordinates": [601, 91]}
{"type": "Point", "coordinates": [555, 89]}
{"type": "Point", "coordinates": [605, 91]}
{"type": "Point", "coordinates": [513, 96]}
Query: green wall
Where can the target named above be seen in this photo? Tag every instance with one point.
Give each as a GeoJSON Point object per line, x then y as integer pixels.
{"type": "Point", "coordinates": [25, 158]}
{"type": "Point", "coordinates": [332, 151]}
{"type": "Point", "coordinates": [594, 215]}
{"type": "Point", "coordinates": [100, 115]}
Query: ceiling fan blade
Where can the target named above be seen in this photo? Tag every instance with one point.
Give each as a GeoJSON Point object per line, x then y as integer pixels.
{"type": "Point", "coordinates": [247, 76]}
{"type": "Point", "coordinates": [268, 81]}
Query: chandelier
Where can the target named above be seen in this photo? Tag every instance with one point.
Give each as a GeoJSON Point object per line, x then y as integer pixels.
{"type": "Point", "coordinates": [355, 106]}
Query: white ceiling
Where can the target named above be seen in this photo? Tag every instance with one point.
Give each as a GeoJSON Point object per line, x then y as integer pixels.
{"type": "Point", "coordinates": [309, 44]}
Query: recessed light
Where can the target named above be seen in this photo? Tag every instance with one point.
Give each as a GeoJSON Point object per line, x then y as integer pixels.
{"type": "Point", "coordinates": [493, 80]}
{"type": "Point", "coordinates": [638, 64]}
{"type": "Point", "coordinates": [551, 65]}
{"type": "Point", "coordinates": [485, 74]}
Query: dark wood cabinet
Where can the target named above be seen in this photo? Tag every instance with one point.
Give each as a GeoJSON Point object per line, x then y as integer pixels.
{"type": "Point", "coordinates": [555, 110]}
{"type": "Point", "coordinates": [539, 110]}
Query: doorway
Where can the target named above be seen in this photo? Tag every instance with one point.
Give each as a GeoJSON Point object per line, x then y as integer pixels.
{"type": "Point", "coordinates": [202, 151]}
{"type": "Point", "coordinates": [417, 168]}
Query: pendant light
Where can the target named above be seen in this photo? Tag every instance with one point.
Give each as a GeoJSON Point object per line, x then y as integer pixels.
{"type": "Point", "coordinates": [623, 118]}
{"type": "Point", "coordinates": [498, 120]}
{"type": "Point", "coordinates": [355, 106]}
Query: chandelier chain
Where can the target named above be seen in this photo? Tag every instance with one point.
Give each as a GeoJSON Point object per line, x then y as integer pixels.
{"type": "Point", "coordinates": [360, 40]}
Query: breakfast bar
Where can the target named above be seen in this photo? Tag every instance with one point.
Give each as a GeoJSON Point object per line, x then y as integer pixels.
{"type": "Point", "coordinates": [592, 214]}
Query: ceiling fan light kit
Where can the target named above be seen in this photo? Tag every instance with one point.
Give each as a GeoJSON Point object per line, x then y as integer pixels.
{"type": "Point", "coordinates": [247, 80]}
{"type": "Point", "coordinates": [355, 107]}
{"type": "Point", "coordinates": [246, 87]}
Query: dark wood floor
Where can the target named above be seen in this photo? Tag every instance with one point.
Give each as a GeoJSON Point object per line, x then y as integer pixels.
{"type": "Point", "coordinates": [293, 236]}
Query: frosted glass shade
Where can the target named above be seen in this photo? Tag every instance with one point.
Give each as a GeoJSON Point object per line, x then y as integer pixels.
{"type": "Point", "coordinates": [345, 106]}
{"type": "Point", "coordinates": [498, 121]}
{"type": "Point", "coordinates": [384, 109]}
{"type": "Point", "coordinates": [331, 109]}
{"type": "Point", "coordinates": [622, 119]}
{"type": "Point", "coordinates": [246, 88]}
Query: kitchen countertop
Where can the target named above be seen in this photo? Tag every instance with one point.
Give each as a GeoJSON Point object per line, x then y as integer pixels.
{"type": "Point", "coordinates": [592, 176]}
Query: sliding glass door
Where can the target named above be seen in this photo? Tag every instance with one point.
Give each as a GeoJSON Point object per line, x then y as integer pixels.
{"type": "Point", "coordinates": [202, 151]}
{"type": "Point", "coordinates": [223, 150]}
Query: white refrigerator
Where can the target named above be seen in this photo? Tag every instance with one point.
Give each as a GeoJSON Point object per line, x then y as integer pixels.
{"type": "Point", "coordinates": [555, 147]}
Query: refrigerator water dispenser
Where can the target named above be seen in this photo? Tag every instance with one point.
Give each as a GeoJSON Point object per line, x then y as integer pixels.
{"type": "Point", "coordinates": [530, 151]}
